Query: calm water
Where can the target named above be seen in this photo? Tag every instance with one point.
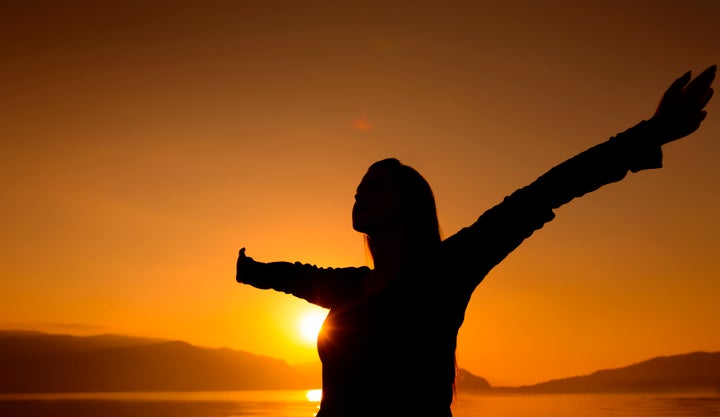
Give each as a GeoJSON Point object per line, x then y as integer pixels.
{"type": "Point", "coordinates": [299, 404]}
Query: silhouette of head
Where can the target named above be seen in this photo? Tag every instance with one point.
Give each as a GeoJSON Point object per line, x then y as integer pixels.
{"type": "Point", "coordinates": [393, 197]}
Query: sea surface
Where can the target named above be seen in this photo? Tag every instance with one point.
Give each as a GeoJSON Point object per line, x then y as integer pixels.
{"type": "Point", "coordinates": [305, 404]}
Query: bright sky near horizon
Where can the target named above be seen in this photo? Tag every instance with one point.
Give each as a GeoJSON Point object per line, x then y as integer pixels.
{"type": "Point", "coordinates": [143, 143]}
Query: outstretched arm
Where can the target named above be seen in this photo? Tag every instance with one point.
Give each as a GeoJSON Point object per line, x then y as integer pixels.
{"type": "Point", "coordinates": [478, 248]}
{"type": "Point", "coordinates": [680, 112]}
{"type": "Point", "coordinates": [326, 287]}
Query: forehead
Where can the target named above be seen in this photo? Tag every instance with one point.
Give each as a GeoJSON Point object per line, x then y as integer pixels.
{"type": "Point", "coordinates": [378, 179]}
{"type": "Point", "coordinates": [377, 174]}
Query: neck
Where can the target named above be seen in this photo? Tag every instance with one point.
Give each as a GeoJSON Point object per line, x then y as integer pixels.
{"type": "Point", "coordinates": [392, 251]}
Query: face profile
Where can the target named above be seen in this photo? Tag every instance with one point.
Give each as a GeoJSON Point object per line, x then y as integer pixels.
{"type": "Point", "coordinates": [377, 202]}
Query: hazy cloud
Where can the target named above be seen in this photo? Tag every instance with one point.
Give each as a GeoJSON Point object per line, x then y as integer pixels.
{"type": "Point", "coordinates": [362, 124]}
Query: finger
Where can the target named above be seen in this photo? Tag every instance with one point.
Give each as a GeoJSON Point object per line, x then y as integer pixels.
{"type": "Point", "coordinates": [697, 120]}
{"type": "Point", "coordinates": [712, 69]}
{"type": "Point", "coordinates": [699, 86]}
{"type": "Point", "coordinates": [703, 81]}
{"type": "Point", "coordinates": [677, 86]}
{"type": "Point", "coordinates": [704, 99]}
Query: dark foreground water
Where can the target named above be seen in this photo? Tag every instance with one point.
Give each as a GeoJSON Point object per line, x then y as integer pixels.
{"type": "Point", "coordinates": [299, 404]}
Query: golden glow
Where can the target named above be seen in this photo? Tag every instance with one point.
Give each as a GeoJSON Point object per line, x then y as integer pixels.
{"type": "Point", "coordinates": [141, 154]}
{"type": "Point", "coordinates": [314, 395]}
{"type": "Point", "coordinates": [310, 324]}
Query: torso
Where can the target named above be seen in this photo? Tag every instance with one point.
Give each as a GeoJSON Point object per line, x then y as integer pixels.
{"type": "Point", "coordinates": [394, 343]}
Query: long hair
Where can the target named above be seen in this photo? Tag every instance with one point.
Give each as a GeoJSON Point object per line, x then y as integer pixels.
{"type": "Point", "coordinates": [420, 214]}
{"type": "Point", "coordinates": [418, 204]}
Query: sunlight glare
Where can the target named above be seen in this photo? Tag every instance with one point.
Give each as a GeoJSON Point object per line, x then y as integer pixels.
{"type": "Point", "coordinates": [310, 325]}
{"type": "Point", "coordinates": [314, 395]}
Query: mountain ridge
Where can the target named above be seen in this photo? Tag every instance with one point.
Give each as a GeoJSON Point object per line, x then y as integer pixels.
{"type": "Point", "coordinates": [34, 362]}
{"type": "Point", "coordinates": [40, 362]}
{"type": "Point", "coordinates": [694, 371]}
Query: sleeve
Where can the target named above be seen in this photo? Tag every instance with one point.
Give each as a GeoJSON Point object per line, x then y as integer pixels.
{"type": "Point", "coordinates": [475, 250]}
{"type": "Point", "coordinates": [326, 287]}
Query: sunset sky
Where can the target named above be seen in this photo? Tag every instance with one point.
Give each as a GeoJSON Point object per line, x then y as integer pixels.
{"type": "Point", "coordinates": [142, 143]}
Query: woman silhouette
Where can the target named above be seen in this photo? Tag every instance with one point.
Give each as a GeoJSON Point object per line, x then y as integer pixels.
{"type": "Point", "coordinates": [388, 344]}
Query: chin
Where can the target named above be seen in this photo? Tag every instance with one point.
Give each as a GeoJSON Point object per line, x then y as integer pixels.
{"type": "Point", "coordinates": [358, 227]}
{"type": "Point", "coordinates": [356, 220]}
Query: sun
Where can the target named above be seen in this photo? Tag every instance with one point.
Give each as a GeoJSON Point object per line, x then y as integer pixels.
{"type": "Point", "coordinates": [310, 323]}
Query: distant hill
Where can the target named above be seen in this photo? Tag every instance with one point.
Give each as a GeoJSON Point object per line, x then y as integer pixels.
{"type": "Point", "coordinates": [38, 362]}
{"type": "Point", "coordinates": [698, 371]}
{"type": "Point", "coordinates": [467, 381]}
{"type": "Point", "coordinates": [41, 362]}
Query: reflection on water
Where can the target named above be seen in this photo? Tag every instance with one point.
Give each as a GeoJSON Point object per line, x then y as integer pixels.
{"type": "Point", "coordinates": [305, 404]}
{"type": "Point", "coordinates": [162, 404]}
{"type": "Point", "coordinates": [202, 396]}
{"type": "Point", "coordinates": [588, 405]}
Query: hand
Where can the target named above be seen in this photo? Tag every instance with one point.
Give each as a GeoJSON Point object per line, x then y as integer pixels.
{"type": "Point", "coordinates": [680, 111]}
{"type": "Point", "coordinates": [243, 266]}
{"type": "Point", "coordinates": [248, 272]}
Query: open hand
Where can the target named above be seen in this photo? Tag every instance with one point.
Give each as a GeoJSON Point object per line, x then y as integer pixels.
{"type": "Point", "coordinates": [681, 109]}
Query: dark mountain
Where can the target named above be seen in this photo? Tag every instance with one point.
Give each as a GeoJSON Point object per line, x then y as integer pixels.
{"type": "Point", "coordinates": [30, 343]}
{"type": "Point", "coordinates": [37, 362]}
{"type": "Point", "coordinates": [698, 371]}
{"type": "Point", "coordinates": [468, 381]}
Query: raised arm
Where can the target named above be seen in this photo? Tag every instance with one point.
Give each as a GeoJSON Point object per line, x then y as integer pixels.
{"type": "Point", "coordinates": [475, 250]}
{"type": "Point", "coordinates": [326, 287]}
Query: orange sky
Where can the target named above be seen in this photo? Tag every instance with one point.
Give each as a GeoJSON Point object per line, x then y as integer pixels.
{"type": "Point", "coordinates": [142, 145]}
